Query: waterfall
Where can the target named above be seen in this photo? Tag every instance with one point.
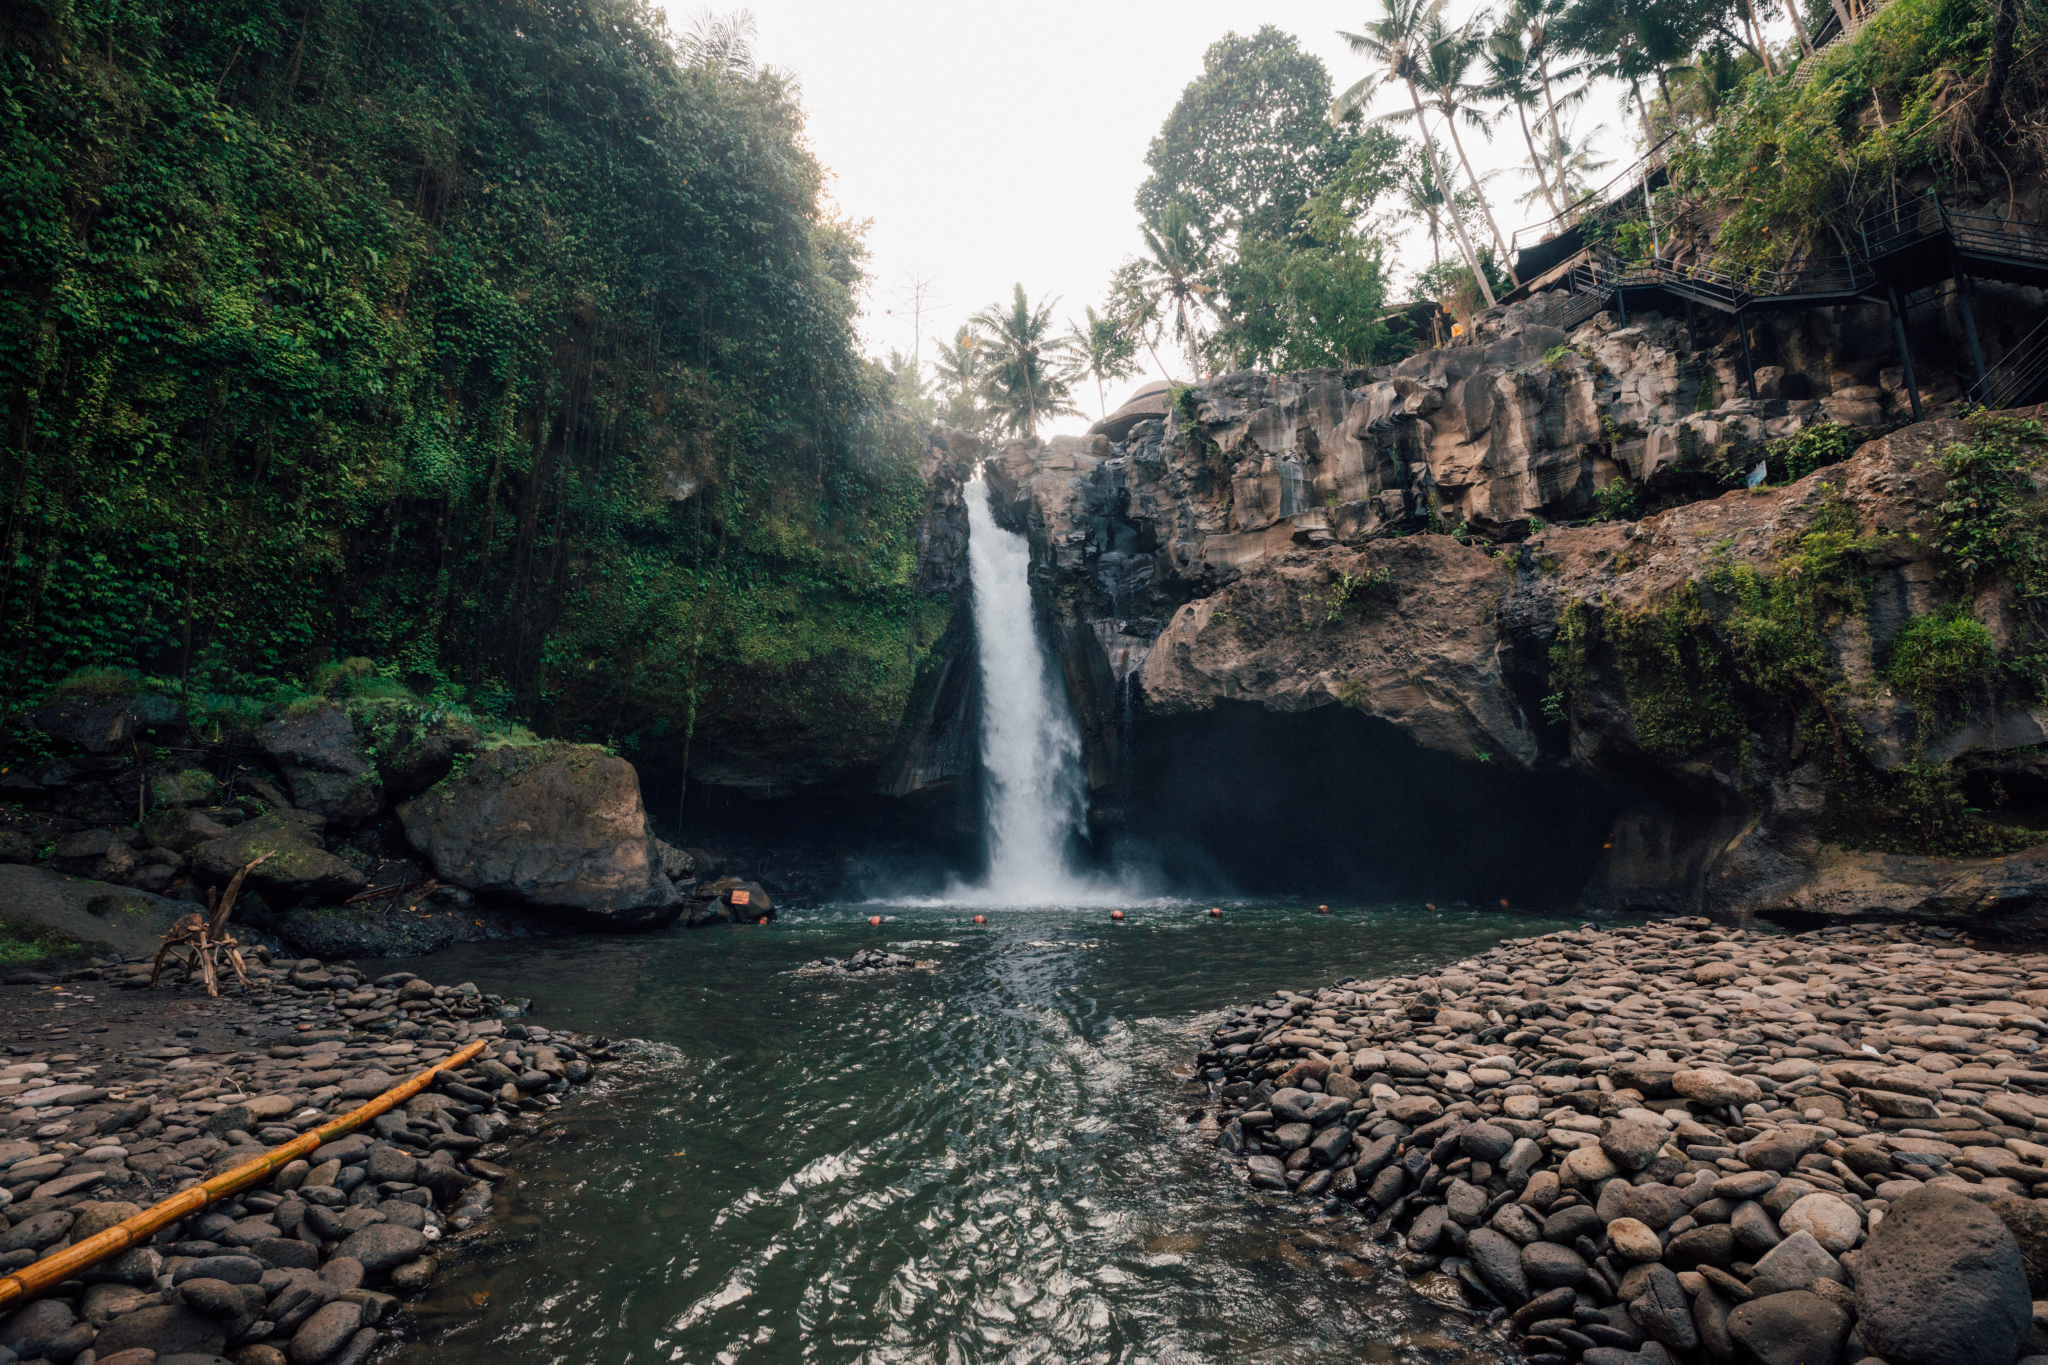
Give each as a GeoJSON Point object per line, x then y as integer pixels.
{"type": "Point", "coordinates": [1030, 748]}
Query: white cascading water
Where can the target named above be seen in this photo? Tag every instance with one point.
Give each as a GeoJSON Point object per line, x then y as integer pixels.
{"type": "Point", "coordinates": [1030, 750]}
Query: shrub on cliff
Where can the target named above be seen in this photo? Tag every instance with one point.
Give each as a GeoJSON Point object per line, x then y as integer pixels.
{"type": "Point", "coordinates": [1786, 168]}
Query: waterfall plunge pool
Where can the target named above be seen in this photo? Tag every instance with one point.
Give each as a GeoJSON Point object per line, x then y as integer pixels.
{"type": "Point", "coordinates": [987, 1161]}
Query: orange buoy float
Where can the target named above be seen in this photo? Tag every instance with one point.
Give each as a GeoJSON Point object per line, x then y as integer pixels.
{"type": "Point", "coordinates": [874, 919]}
{"type": "Point", "coordinates": [1116, 914]}
{"type": "Point", "coordinates": [981, 919]}
{"type": "Point", "coordinates": [762, 920]}
{"type": "Point", "coordinates": [1322, 909]}
{"type": "Point", "coordinates": [1503, 902]}
{"type": "Point", "coordinates": [1215, 912]}
{"type": "Point", "coordinates": [1429, 905]}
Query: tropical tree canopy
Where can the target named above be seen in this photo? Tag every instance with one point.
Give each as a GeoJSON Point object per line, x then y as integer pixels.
{"type": "Point", "coordinates": [1250, 140]}
{"type": "Point", "coordinates": [1027, 378]}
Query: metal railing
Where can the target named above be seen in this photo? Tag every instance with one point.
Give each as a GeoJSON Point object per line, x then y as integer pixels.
{"type": "Point", "coordinates": [1608, 196]}
{"type": "Point", "coordinates": [1835, 31]}
{"type": "Point", "coordinates": [1702, 283]}
{"type": "Point", "coordinates": [2018, 373]}
{"type": "Point", "coordinates": [1896, 226]}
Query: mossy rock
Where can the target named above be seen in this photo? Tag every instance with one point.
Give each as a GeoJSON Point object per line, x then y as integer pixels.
{"type": "Point", "coordinates": [299, 865]}
{"type": "Point", "coordinates": [28, 945]}
{"type": "Point", "coordinates": [120, 905]}
{"type": "Point", "coordinates": [186, 787]}
{"type": "Point", "coordinates": [552, 825]}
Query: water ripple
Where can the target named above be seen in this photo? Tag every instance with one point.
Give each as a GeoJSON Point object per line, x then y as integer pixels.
{"type": "Point", "coordinates": [985, 1163]}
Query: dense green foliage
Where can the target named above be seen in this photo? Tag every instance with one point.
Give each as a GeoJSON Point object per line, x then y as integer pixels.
{"type": "Point", "coordinates": [1256, 248]}
{"type": "Point", "coordinates": [1785, 168]}
{"type": "Point", "coordinates": [503, 342]}
{"type": "Point", "coordinates": [1250, 140]}
{"type": "Point", "coordinates": [1991, 523]}
{"type": "Point", "coordinates": [1940, 658]}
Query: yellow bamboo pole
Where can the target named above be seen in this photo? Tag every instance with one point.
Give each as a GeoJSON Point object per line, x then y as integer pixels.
{"type": "Point", "coordinates": [60, 1266]}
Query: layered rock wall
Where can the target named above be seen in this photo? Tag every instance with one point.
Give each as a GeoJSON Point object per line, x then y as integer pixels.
{"type": "Point", "coordinates": [1378, 540]}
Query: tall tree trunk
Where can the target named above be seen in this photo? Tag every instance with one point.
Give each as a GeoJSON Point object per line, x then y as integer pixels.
{"type": "Point", "coordinates": [1756, 30]}
{"type": "Point", "coordinates": [1564, 187]}
{"type": "Point", "coordinates": [1450, 207]}
{"type": "Point", "coordinates": [1536, 161]}
{"type": "Point", "coordinates": [1998, 68]}
{"type": "Point", "coordinates": [1479, 192]}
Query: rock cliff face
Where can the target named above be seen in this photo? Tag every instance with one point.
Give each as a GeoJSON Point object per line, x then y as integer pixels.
{"type": "Point", "coordinates": [1316, 561]}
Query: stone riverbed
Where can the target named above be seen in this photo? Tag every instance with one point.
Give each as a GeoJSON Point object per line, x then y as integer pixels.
{"type": "Point", "coordinates": [114, 1096]}
{"type": "Point", "coordinates": [1679, 1142]}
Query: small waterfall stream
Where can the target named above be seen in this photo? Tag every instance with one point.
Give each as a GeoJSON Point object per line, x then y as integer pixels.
{"type": "Point", "coordinates": [1030, 748]}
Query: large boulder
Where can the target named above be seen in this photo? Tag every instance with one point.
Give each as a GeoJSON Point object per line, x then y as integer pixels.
{"type": "Point", "coordinates": [730, 900]}
{"type": "Point", "coordinates": [553, 825]}
{"type": "Point", "coordinates": [181, 828]}
{"type": "Point", "coordinates": [101, 854]}
{"type": "Point", "coordinates": [98, 727]}
{"type": "Point", "coordinates": [1942, 1282]}
{"type": "Point", "coordinates": [299, 866]}
{"type": "Point", "coordinates": [322, 762]}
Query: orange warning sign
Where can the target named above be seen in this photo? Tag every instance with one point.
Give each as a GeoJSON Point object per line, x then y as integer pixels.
{"type": "Point", "coordinates": [742, 897]}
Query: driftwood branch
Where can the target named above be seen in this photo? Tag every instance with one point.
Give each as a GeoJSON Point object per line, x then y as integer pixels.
{"type": "Point", "coordinates": [203, 942]}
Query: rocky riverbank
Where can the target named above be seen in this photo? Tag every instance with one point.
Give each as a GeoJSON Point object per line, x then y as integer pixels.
{"type": "Point", "coordinates": [114, 1096]}
{"type": "Point", "coordinates": [1679, 1142]}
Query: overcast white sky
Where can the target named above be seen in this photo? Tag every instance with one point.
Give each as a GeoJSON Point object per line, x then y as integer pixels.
{"type": "Point", "coordinates": [993, 144]}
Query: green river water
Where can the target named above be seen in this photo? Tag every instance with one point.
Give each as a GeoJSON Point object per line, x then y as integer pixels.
{"type": "Point", "coordinates": [989, 1161]}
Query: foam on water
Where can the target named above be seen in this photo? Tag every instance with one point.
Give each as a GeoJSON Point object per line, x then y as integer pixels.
{"type": "Point", "coordinates": [1030, 747]}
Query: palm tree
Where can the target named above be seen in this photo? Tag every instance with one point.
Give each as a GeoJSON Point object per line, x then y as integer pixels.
{"type": "Point", "coordinates": [1025, 383]}
{"type": "Point", "coordinates": [1577, 163]}
{"type": "Point", "coordinates": [1574, 167]}
{"type": "Point", "coordinates": [907, 386]}
{"type": "Point", "coordinates": [1630, 43]}
{"type": "Point", "coordinates": [1422, 201]}
{"type": "Point", "coordinates": [1532, 20]}
{"type": "Point", "coordinates": [1103, 350]}
{"type": "Point", "coordinates": [1447, 55]}
{"type": "Point", "coordinates": [1511, 76]}
{"type": "Point", "coordinates": [721, 43]}
{"type": "Point", "coordinates": [1395, 39]}
{"type": "Point", "coordinates": [1172, 278]}
{"type": "Point", "coordinates": [960, 370]}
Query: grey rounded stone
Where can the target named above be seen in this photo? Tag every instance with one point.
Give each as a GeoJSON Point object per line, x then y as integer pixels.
{"type": "Point", "coordinates": [1796, 1263]}
{"type": "Point", "coordinates": [1486, 1142]}
{"type": "Point", "coordinates": [1713, 1244]}
{"type": "Point", "coordinates": [1794, 1328]}
{"type": "Point", "coordinates": [1550, 1266]}
{"type": "Point", "coordinates": [165, 1330]}
{"type": "Point", "coordinates": [1754, 1227]}
{"type": "Point", "coordinates": [1499, 1262]}
{"type": "Point", "coordinates": [1567, 1225]}
{"type": "Point", "coordinates": [1630, 1144]}
{"type": "Point", "coordinates": [33, 1234]}
{"type": "Point", "coordinates": [228, 1269]}
{"type": "Point", "coordinates": [28, 1330]}
{"type": "Point", "coordinates": [215, 1298]}
{"type": "Point", "coordinates": [1663, 1312]}
{"type": "Point", "coordinates": [323, 1335]}
{"type": "Point", "coordinates": [1941, 1282]}
{"type": "Point", "coordinates": [1428, 1229]}
{"type": "Point", "coordinates": [382, 1246]}
{"type": "Point", "coordinates": [1654, 1206]}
